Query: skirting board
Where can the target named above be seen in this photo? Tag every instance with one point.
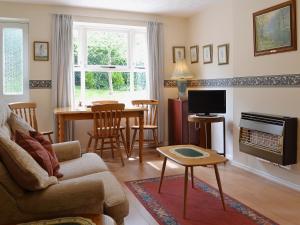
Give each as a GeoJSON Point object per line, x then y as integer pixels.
{"type": "Point", "coordinates": [266, 175]}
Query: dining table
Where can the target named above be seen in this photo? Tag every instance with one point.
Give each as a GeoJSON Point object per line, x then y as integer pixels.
{"type": "Point", "coordinates": [84, 113]}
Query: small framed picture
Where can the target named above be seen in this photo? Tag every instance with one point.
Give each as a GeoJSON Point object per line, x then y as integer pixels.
{"type": "Point", "coordinates": [207, 54]}
{"type": "Point", "coordinates": [41, 51]}
{"type": "Point", "coordinates": [194, 52]}
{"type": "Point", "coordinates": [178, 53]}
{"type": "Point", "coordinates": [223, 54]}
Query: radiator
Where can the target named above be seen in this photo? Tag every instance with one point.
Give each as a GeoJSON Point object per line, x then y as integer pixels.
{"type": "Point", "coordinates": [270, 137]}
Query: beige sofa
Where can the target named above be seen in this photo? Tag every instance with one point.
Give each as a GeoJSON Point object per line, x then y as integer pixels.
{"type": "Point", "coordinates": [87, 187]}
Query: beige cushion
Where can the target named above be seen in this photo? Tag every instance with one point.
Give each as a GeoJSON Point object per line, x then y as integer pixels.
{"type": "Point", "coordinates": [4, 113]}
{"type": "Point", "coordinates": [5, 131]}
{"type": "Point", "coordinates": [9, 184]}
{"type": "Point", "coordinates": [4, 117]}
{"type": "Point", "coordinates": [17, 123]}
{"type": "Point", "coordinates": [23, 168]}
{"type": "Point", "coordinates": [80, 193]}
{"type": "Point", "coordinates": [88, 164]}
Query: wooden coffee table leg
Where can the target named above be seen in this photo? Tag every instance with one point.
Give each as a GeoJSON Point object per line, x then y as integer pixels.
{"type": "Point", "coordinates": [162, 173]}
{"type": "Point", "coordinates": [186, 175]}
{"type": "Point", "coordinates": [192, 176]}
{"type": "Point", "coordinates": [219, 185]}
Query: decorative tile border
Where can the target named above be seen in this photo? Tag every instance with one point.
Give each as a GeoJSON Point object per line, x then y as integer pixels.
{"type": "Point", "coordinates": [40, 84]}
{"type": "Point", "coordinates": [291, 80]}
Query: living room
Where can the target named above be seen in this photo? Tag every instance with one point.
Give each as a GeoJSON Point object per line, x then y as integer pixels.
{"type": "Point", "coordinates": [254, 82]}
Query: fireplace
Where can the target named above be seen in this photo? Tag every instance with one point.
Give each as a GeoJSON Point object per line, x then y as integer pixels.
{"type": "Point", "coordinates": [270, 137]}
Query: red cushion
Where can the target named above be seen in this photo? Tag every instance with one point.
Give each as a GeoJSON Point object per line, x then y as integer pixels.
{"type": "Point", "coordinates": [36, 150]}
{"type": "Point", "coordinates": [47, 145]}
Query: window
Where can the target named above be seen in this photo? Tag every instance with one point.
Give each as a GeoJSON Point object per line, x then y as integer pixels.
{"type": "Point", "coordinates": [110, 63]}
{"type": "Point", "coordinates": [13, 61]}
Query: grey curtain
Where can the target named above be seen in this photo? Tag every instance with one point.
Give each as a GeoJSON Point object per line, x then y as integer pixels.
{"type": "Point", "coordinates": [62, 71]}
{"type": "Point", "coordinates": [156, 70]}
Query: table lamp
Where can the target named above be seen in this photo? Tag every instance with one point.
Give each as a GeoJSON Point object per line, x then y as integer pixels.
{"type": "Point", "coordinates": [181, 74]}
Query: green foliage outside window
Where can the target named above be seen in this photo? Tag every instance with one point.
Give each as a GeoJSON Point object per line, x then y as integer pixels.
{"type": "Point", "coordinates": [96, 80]}
{"type": "Point", "coordinates": [106, 49]}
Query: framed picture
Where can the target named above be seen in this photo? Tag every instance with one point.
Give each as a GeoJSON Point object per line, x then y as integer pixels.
{"type": "Point", "coordinates": [207, 54]}
{"type": "Point", "coordinates": [41, 51]}
{"type": "Point", "coordinates": [194, 53]}
{"type": "Point", "coordinates": [178, 53]}
{"type": "Point", "coordinates": [275, 29]}
{"type": "Point", "coordinates": [223, 54]}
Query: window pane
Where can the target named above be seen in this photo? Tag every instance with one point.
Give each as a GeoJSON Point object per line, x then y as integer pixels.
{"type": "Point", "coordinates": [13, 61]}
{"type": "Point", "coordinates": [107, 48]}
{"type": "Point", "coordinates": [121, 81]}
{"type": "Point", "coordinates": [76, 46]}
{"type": "Point", "coordinates": [77, 75]}
{"type": "Point", "coordinates": [97, 86]}
{"type": "Point", "coordinates": [140, 49]}
{"type": "Point", "coordinates": [139, 81]}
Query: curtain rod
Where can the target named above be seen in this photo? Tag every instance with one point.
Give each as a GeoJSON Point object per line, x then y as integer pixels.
{"type": "Point", "coordinates": [110, 18]}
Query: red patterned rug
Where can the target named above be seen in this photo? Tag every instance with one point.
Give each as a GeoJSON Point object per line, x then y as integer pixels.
{"type": "Point", "coordinates": [204, 206]}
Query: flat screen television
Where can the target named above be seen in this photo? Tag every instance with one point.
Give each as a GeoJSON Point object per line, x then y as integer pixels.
{"type": "Point", "coordinates": [206, 102]}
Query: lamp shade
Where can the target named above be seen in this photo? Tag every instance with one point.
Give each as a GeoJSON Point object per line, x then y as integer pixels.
{"type": "Point", "coordinates": [181, 71]}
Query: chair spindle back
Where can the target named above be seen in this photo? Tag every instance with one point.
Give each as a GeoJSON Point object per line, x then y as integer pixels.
{"type": "Point", "coordinates": [107, 119]}
{"type": "Point", "coordinates": [150, 114]}
{"type": "Point", "coordinates": [27, 111]}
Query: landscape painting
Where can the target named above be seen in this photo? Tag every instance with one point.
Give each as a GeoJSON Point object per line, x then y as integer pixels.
{"type": "Point", "coordinates": [274, 29]}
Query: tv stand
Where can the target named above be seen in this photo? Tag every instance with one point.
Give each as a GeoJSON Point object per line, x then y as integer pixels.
{"type": "Point", "coordinates": [206, 115]}
{"type": "Point", "coordinates": [206, 121]}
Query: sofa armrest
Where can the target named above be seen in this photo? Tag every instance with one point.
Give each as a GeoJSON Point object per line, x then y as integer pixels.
{"type": "Point", "coordinates": [79, 195]}
{"type": "Point", "coordinates": [67, 150]}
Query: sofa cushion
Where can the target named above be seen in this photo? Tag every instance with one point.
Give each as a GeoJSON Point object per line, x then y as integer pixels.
{"type": "Point", "coordinates": [36, 150]}
{"type": "Point", "coordinates": [9, 184]}
{"type": "Point", "coordinates": [89, 163]}
{"type": "Point", "coordinates": [80, 193]}
{"type": "Point", "coordinates": [23, 168]}
{"type": "Point", "coordinates": [17, 123]}
{"type": "Point", "coordinates": [5, 131]}
{"type": "Point", "coordinates": [48, 146]}
{"type": "Point", "coordinates": [4, 116]}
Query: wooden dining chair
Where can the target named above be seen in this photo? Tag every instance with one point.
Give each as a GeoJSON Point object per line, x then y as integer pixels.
{"type": "Point", "coordinates": [103, 102]}
{"type": "Point", "coordinates": [27, 111]}
{"type": "Point", "coordinates": [107, 120]}
{"type": "Point", "coordinates": [150, 120]}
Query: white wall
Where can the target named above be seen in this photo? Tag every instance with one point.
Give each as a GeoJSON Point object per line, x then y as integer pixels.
{"type": "Point", "coordinates": [281, 101]}
{"type": "Point", "coordinates": [39, 17]}
{"type": "Point", "coordinates": [214, 25]}
{"type": "Point", "coordinates": [230, 21]}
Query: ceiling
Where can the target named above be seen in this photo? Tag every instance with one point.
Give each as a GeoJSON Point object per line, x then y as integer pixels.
{"type": "Point", "coordinates": [182, 8]}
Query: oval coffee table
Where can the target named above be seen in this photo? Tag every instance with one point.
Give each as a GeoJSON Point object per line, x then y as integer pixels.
{"type": "Point", "coordinates": [190, 156]}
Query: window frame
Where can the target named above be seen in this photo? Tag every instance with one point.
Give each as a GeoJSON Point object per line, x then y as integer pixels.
{"type": "Point", "coordinates": [25, 95]}
{"type": "Point", "coordinates": [83, 67]}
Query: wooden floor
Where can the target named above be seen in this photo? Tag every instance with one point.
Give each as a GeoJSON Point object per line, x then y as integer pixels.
{"type": "Point", "coordinates": [276, 202]}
